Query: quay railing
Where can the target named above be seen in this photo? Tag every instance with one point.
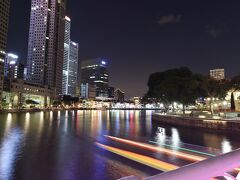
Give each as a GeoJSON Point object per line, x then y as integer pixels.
{"type": "Point", "coordinates": [206, 169]}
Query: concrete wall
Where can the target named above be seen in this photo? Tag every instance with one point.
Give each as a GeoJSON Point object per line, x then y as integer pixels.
{"type": "Point", "coordinates": [207, 124]}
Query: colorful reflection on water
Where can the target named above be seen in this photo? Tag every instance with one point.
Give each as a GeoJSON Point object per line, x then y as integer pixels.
{"type": "Point", "coordinates": [62, 145]}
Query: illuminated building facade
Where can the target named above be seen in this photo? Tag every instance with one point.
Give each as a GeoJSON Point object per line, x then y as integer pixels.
{"type": "Point", "coordinates": [66, 55]}
{"type": "Point", "coordinates": [217, 74]}
{"type": "Point", "coordinates": [46, 43]}
{"type": "Point", "coordinates": [95, 72]}
{"type": "Point", "coordinates": [119, 95]}
{"type": "Point", "coordinates": [25, 94]}
{"type": "Point", "coordinates": [4, 16]}
{"type": "Point", "coordinates": [12, 67]}
{"type": "Point", "coordinates": [88, 91]}
{"type": "Point", "coordinates": [70, 63]}
{"type": "Point", "coordinates": [111, 91]}
{"type": "Point", "coordinates": [73, 69]}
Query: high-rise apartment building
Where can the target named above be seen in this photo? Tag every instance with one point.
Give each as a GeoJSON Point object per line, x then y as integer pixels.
{"type": "Point", "coordinates": [4, 16]}
{"type": "Point", "coordinates": [70, 63]}
{"type": "Point", "coordinates": [217, 74]}
{"type": "Point", "coordinates": [94, 71]}
{"type": "Point", "coordinates": [46, 43]}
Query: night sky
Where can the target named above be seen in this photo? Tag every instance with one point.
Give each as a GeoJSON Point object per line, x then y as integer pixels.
{"type": "Point", "coordinates": [144, 36]}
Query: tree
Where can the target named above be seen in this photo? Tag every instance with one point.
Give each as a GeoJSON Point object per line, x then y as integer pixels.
{"type": "Point", "coordinates": [175, 85]}
{"type": "Point", "coordinates": [233, 107]}
{"type": "Point", "coordinates": [234, 85]}
{"type": "Point", "coordinates": [189, 89]}
{"type": "Point", "coordinates": [214, 89]}
{"type": "Point", "coordinates": [67, 99]}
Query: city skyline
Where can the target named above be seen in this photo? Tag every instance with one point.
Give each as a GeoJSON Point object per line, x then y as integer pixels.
{"type": "Point", "coordinates": [141, 38]}
{"type": "Point", "coordinates": [65, 66]}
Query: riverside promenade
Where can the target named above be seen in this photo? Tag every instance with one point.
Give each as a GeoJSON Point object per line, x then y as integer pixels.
{"type": "Point", "coordinates": [219, 125]}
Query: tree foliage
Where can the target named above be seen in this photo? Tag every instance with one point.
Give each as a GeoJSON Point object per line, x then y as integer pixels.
{"type": "Point", "coordinates": [175, 85]}
{"type": "Point", "coordinates": [214, 88]}
{"type": "Point", "coordinates": [234, 84]}
{"type": "Point", "coordinates": [183, 86]}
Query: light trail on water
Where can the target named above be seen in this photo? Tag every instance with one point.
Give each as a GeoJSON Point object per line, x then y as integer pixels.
{"type": "Point", "coordinates": [158, 149]}
{"type": "Point", "coordinates": [148, 161]}
{"type": "Point", "coordinates": [163, 150]}
{"type": "Point", "coordinates": [185, 149]}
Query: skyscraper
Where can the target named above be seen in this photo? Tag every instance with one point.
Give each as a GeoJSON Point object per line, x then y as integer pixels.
{"type": "Point", "coordinates": [70, 63]}
{"type": "Point", "coordinates": [4, 16]}
{"type": "Point", "coordinates": [73, 69]}
{"type": "Point", "coordinates": [46, 43]}
{"type": "Point", "coordinates": [94, 71]}
{"type": "Point", "coordinates": [66, 55]}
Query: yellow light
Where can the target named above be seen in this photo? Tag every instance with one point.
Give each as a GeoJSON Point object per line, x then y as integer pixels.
{"type": "Point", "coordinates": [148, 161]}
{"type": "Point", "coordinates": [159, 149]}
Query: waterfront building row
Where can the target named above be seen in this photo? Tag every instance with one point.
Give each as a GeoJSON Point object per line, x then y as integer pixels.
{"type": "Point", "coordinates": [19, 93]}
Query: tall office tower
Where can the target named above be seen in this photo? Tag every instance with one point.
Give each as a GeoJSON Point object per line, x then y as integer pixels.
{"type": "Point", "coordinates": [66, 55]}
{"type": "Point", "coordinates": [94, 71]}
{"type": "Point", "coordinates": [4, 16]}
{"type": "Point", "coordinates": [46, 43]}
{"type": "Point", "coordinates": [73, 69]}
{"type": "Point", "coordinates": [13, 68]}
{"type": "Point", "coordinates": [70, 63]}
{"type": "Point", "coordinates": [217, 74]}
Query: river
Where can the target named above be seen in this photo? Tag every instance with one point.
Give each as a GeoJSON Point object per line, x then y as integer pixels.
{"type": "Point", "coordinates": [77, 144]}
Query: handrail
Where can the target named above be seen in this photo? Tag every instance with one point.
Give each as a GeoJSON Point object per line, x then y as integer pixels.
{"type": "Point", "coordinates": [204, 170]}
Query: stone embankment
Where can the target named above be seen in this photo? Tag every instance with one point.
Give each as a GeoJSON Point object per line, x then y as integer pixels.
{"type": "Point", "coordinates": [220, 125]}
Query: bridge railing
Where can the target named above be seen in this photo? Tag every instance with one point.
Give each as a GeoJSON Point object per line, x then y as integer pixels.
{"type": "Point", "coordinates": [206, 169]}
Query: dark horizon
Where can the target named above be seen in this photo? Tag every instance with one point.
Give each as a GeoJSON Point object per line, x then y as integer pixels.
{"type": "Point", "coordinates": [142, 37]}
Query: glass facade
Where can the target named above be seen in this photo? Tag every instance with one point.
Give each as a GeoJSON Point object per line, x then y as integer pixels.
{"type": "Point", "coordinates": [94, 71]}
{"type": "Point", "coordinates": [70, 63]}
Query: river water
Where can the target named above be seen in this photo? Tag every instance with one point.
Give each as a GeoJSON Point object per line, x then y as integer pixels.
{"type": "Point", "coordinates": [63, 144]}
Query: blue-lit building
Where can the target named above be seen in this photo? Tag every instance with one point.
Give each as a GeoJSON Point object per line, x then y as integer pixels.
{"type": "Point", "coordinates": [95, 72]}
